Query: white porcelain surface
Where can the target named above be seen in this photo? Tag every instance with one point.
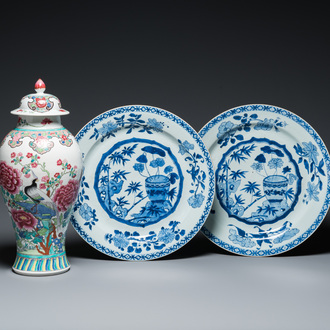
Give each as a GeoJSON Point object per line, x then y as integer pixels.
{"type": "Point", "coordinates": [148, 184]}
{"type": "Point", "coordinates": [272, 180]}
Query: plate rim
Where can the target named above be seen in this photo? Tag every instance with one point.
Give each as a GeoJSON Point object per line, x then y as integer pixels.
{"type": "Point", "coordinates": [315, 223]}
{"type": "Point", "coordinates": [210, 191]}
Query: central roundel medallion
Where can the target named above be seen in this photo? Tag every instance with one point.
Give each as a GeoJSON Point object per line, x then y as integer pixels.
{"type": "Point", "coordinates": [138, 182]}
{"type": "Point", "coordinates": [258, 181]}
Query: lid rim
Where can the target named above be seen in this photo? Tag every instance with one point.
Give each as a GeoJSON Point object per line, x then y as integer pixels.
{"type": "Point", "coordinates": [61, 112]}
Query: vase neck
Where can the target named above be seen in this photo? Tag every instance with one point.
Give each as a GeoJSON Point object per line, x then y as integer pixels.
{"type": "Point", "coordinates": [39, 122]}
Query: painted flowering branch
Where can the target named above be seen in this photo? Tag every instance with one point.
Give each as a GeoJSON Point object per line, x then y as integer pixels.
{"type": "Point", "coordinates": [133, 242]}
{"type": "Point", "coordinates": [308, 154]}
{"type": "Point", "coordinates": [198, 176]}
{"type": "Point", "coordinates": [46, 247]}
{"type": "Point", "coordinates": [133, 121]}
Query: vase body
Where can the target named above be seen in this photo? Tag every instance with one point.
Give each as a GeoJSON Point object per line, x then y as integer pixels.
{"type": "Point", "coordinates": [275, 187]}
{"type": "Point", "coordinates": [40, 171]}
{"type": "Point", "coordinates": [157, 187]}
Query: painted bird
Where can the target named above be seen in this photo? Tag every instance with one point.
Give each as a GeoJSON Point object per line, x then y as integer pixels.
{"type": "Point", "coordinates": [39, 197]}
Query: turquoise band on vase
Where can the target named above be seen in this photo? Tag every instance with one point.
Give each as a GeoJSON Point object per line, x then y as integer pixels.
{"type": "Point", "coordinates": [41, 263]}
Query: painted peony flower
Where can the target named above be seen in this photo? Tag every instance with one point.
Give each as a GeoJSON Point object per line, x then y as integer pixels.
{"type": "Point", "coordinates": [66, 195]}
{"type": "Point", "coordinates": [10, 178]}
{"type": "Point", "coordinates": [108, 128]}
{"type": "Point", "coordinates": [196, 201]}
{"type": "Point", "coordinates": [224, 130]}
{"type": "Point", "coordinates": [120, 240]}
{"type": "Point", "coordinates": [185, 147]}
{"type": "Point", "coordinates": [166, 235]}
{"type": "Point", "coordinates": [23, 219]}
{"type": "Point", "coordinates": [154, 124]}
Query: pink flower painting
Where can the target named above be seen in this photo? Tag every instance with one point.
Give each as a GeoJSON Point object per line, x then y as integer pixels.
{"type": "Point", "coordinates": [66, 195]}
{"type": "Point", "coordinates": [10, 178]}
{"type": "Point", "coordinates": [23, 219]}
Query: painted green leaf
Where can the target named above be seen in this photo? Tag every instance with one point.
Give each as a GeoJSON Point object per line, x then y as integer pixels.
{"type": "Point", "coordinates": [42, 231]}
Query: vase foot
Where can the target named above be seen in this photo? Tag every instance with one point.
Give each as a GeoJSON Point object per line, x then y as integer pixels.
{"type": "Point", "coordinates": [41, 266]}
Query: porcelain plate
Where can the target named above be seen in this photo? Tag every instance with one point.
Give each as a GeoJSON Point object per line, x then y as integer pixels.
{"type": "Point", "coordinates": [148, 183]}
{"type": "Point", "coordinates": [272, 184]}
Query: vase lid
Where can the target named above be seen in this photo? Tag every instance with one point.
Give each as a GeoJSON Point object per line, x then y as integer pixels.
{"type": "Point", "coordinates": [40, 103]}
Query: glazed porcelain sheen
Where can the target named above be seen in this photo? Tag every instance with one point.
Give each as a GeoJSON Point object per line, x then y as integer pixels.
{"type": "Point", "coordinates": [148, 184]}
{"type": "Point", "coordinates": [272, 180]}
{"type": "Point", "coordinates": [40, 171]}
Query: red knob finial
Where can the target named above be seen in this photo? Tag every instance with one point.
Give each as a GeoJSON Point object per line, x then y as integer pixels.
{"type": "Point", "coordinates": [40, 86]}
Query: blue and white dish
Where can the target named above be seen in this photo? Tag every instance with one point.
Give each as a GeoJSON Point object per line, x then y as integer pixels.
{"type": "Point", "coordinates": [272, 180]}
{"type": "Point", "coordinates": [148, 184]}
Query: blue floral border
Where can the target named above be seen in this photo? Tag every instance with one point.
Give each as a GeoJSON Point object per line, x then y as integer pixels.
{"type": "Point", "coordinates": [325, 154]}
{"type": "Point", "coordinates": [210, 196]}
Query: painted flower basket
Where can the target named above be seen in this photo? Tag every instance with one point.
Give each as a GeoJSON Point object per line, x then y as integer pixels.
{"type": "Point", "coordinates": [275, 187]}
{"type": "Point", "coordinates": [157, 187]}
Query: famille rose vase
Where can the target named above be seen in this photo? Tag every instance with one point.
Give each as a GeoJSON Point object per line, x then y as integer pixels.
{"type": "Point", "coordinates": [40, 171]}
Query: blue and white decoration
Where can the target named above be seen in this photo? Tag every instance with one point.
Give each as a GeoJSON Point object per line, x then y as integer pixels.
{"type": "Point", "coordinates": [258, 181]}
{"type": "Point", "coordinates": [272, 187]}
{"type": "Point", "coordinates": [148, 184]}
{"type": "Point", "coordinates": [142, 196]}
